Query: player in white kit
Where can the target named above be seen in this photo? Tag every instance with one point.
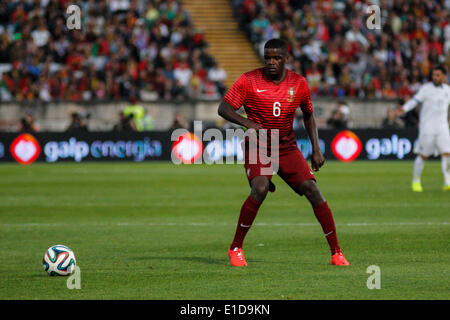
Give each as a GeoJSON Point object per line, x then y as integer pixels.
{"type": "Point", "coordinates": [434, 134]}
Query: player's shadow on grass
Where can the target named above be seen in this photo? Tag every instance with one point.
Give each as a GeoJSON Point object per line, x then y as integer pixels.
{"type": "Point", "coordinates": [206, 260]}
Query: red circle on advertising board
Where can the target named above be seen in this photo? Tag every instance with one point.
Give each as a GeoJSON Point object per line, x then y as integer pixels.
{"type": "Point", "coordinates": [25, 149]}
{"type": "Point", "coordinates": [187, 148]}
{"type": "Point", "coordinates": [346, 146]}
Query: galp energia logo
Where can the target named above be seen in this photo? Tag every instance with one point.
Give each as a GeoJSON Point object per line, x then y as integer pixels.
{"type": "Point", "coordinates": [25, 149]}
{"type": "Point", "coordinates": [346, 146]}
{"type": "Point", "coordinates": [187, 148]}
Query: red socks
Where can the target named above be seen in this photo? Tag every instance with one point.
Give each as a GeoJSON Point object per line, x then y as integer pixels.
{"type": "Point", "coordinates": [250, 209]}
{"type": "Point", "coordinates": [325, 217]}
{"type": "Point", "coordinates": [248, 213]}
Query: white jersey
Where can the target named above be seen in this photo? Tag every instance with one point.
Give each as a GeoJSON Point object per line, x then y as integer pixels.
{"type": "Point", "coordinates": [433, 118]}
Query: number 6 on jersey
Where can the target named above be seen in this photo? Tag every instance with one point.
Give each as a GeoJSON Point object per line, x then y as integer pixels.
{"type": "Point", "coordinates": [276, 109]}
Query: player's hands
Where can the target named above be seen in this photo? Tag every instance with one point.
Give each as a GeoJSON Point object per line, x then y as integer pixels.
{"type": "Point", "coordinates": [399, 111]}
{"type": "Point", "coordinates": [253, 125]}
{"type": "Point", "coordinates": [317, 160]}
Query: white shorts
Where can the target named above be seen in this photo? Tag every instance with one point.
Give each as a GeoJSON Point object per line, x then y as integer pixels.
{"type": "Point", "coordinates": [433, 144]}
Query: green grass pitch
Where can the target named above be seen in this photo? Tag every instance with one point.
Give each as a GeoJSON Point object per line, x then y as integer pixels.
{"type": "Point", "coordinates": [161, 231]}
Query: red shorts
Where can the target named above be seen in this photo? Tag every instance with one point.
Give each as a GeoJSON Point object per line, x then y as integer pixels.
{"type": "Point", "coordinates": [291, 166]}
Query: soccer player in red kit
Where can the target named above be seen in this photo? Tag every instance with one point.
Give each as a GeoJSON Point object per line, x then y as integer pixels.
{"type": "Point", "coordinates": [270, 96]}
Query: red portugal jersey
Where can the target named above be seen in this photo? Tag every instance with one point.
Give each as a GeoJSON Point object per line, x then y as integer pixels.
{"type": "Point", "coordinates": [271, 105]}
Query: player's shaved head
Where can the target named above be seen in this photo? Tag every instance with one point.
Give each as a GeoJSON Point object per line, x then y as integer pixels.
{"type": "Point", "coordinates": [277, 44]}
{"type": "Point", "coordinates": [275, 59]}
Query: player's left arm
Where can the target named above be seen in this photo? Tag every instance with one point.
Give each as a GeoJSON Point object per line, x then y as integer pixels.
{"type": "Point", "coordinates": [317, 159]}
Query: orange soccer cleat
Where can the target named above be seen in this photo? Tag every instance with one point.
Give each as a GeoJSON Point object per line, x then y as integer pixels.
{"type": "Point", "coordinates": [338, 259]}
{"type": "Point", "coordinates": [237, 257]}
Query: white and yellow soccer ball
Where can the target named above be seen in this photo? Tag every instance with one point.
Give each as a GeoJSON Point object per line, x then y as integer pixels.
{"type": "Point", "coordinates": [59, 260]}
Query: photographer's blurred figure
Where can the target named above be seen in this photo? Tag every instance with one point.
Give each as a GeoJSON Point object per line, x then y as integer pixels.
{"type": "Point", "coordinates": [78, 123]}
{"type": "Point", "coordinates": [27, 123]}
{"type": "Point", "coordinates": [179, 122]}
{"type": "Point", "coordinates": [339, 116]}
{"type": "Point", "coordinates": [126, 123]}
{"type": "Point", "coordinates": [392, 121]}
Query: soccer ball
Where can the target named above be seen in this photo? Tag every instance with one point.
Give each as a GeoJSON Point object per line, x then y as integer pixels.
{"type": "Point", "coordinates": [59, 260]}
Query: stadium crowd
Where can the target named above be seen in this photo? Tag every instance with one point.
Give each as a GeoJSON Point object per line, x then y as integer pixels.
{"type": "Point", "coordinates": [340, 56]}
{"type": "Point", "coordinates": [150, 49]}
{"type": "Point", "coordinates": [124, 48]}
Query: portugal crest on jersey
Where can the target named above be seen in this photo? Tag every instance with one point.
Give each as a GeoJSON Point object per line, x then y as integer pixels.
{"type": "Point", "coordinates": [291, 94]}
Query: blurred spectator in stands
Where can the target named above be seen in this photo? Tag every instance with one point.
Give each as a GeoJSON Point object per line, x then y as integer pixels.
{"type": "Point", "coordinates": [312, 50]}
{"type": "Point", "coordinates": [404, 89]}
{"type": "Point", "coordinates": [210, 91]}
{"type": "Point", "coordinates": [41, 35]}
{"type": "Point", "coordinates": [339, 118]}
{"type": "Point", "coordinates": [148, 92]}
{"type": "Point", "coordinates": [183, 74]}
{"type": "Point", "coordinates": [78, 122]}
{"type": "Point", "coordinates": [218, 75]}
{"type": "Point", "coordinates": [387, 91]}
{"type": "Point", "coordinates": [391, 121]}
{"type": "Point", "coordinates": [179, 122]}
{"type": "Point", "coordinates": [206, 58]}
{"type": "Point", "coordinates": [199, 77]}
{"type": "Point", "coordinates": [329, 76]}
{"type": "Point", "coordinates": [136, 111]}
{"type": "Point", "coordinates": [28, 124]}
{"type": "Point", "coordinates": [446, 34]}
{"type": "Point", "coordinates": [125, 123]}
{"type": "Point", "coordinates": [313, 76]}
{"type": "Point", "coordinates": [354, 35]}
{"type": "Point", "coordinates": [415, 81]}
{"type": "Point", "coordinates": [177, 91]}
{"type": "Point", "coordinates": [258, 27]}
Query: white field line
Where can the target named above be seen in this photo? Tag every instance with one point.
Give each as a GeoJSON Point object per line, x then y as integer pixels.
{"type": "Point", "coordinates": [205, 224]}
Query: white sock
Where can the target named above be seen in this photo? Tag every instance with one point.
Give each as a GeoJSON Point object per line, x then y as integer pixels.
{"type": "Point", "coordinates": [445, 161]}
{"type": "Point", "coordinates": [419, 163]}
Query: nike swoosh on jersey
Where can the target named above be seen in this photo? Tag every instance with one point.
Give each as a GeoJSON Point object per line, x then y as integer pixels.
{"type": "Point", "coordinates": [257, 90]}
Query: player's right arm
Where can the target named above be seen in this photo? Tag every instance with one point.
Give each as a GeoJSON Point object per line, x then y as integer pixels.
{"type": "Point", "coordinates": [229, 113]}
{"type": "Point", "coordinates": [233, 100]}
{"type": "Point", "coordinates": [414, 101]}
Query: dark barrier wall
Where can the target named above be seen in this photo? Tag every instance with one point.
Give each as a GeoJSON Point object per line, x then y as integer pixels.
{"type": "Point", "coordinates": [367, 144]}
{"type": "Point", "coordinates": [345, 145]}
